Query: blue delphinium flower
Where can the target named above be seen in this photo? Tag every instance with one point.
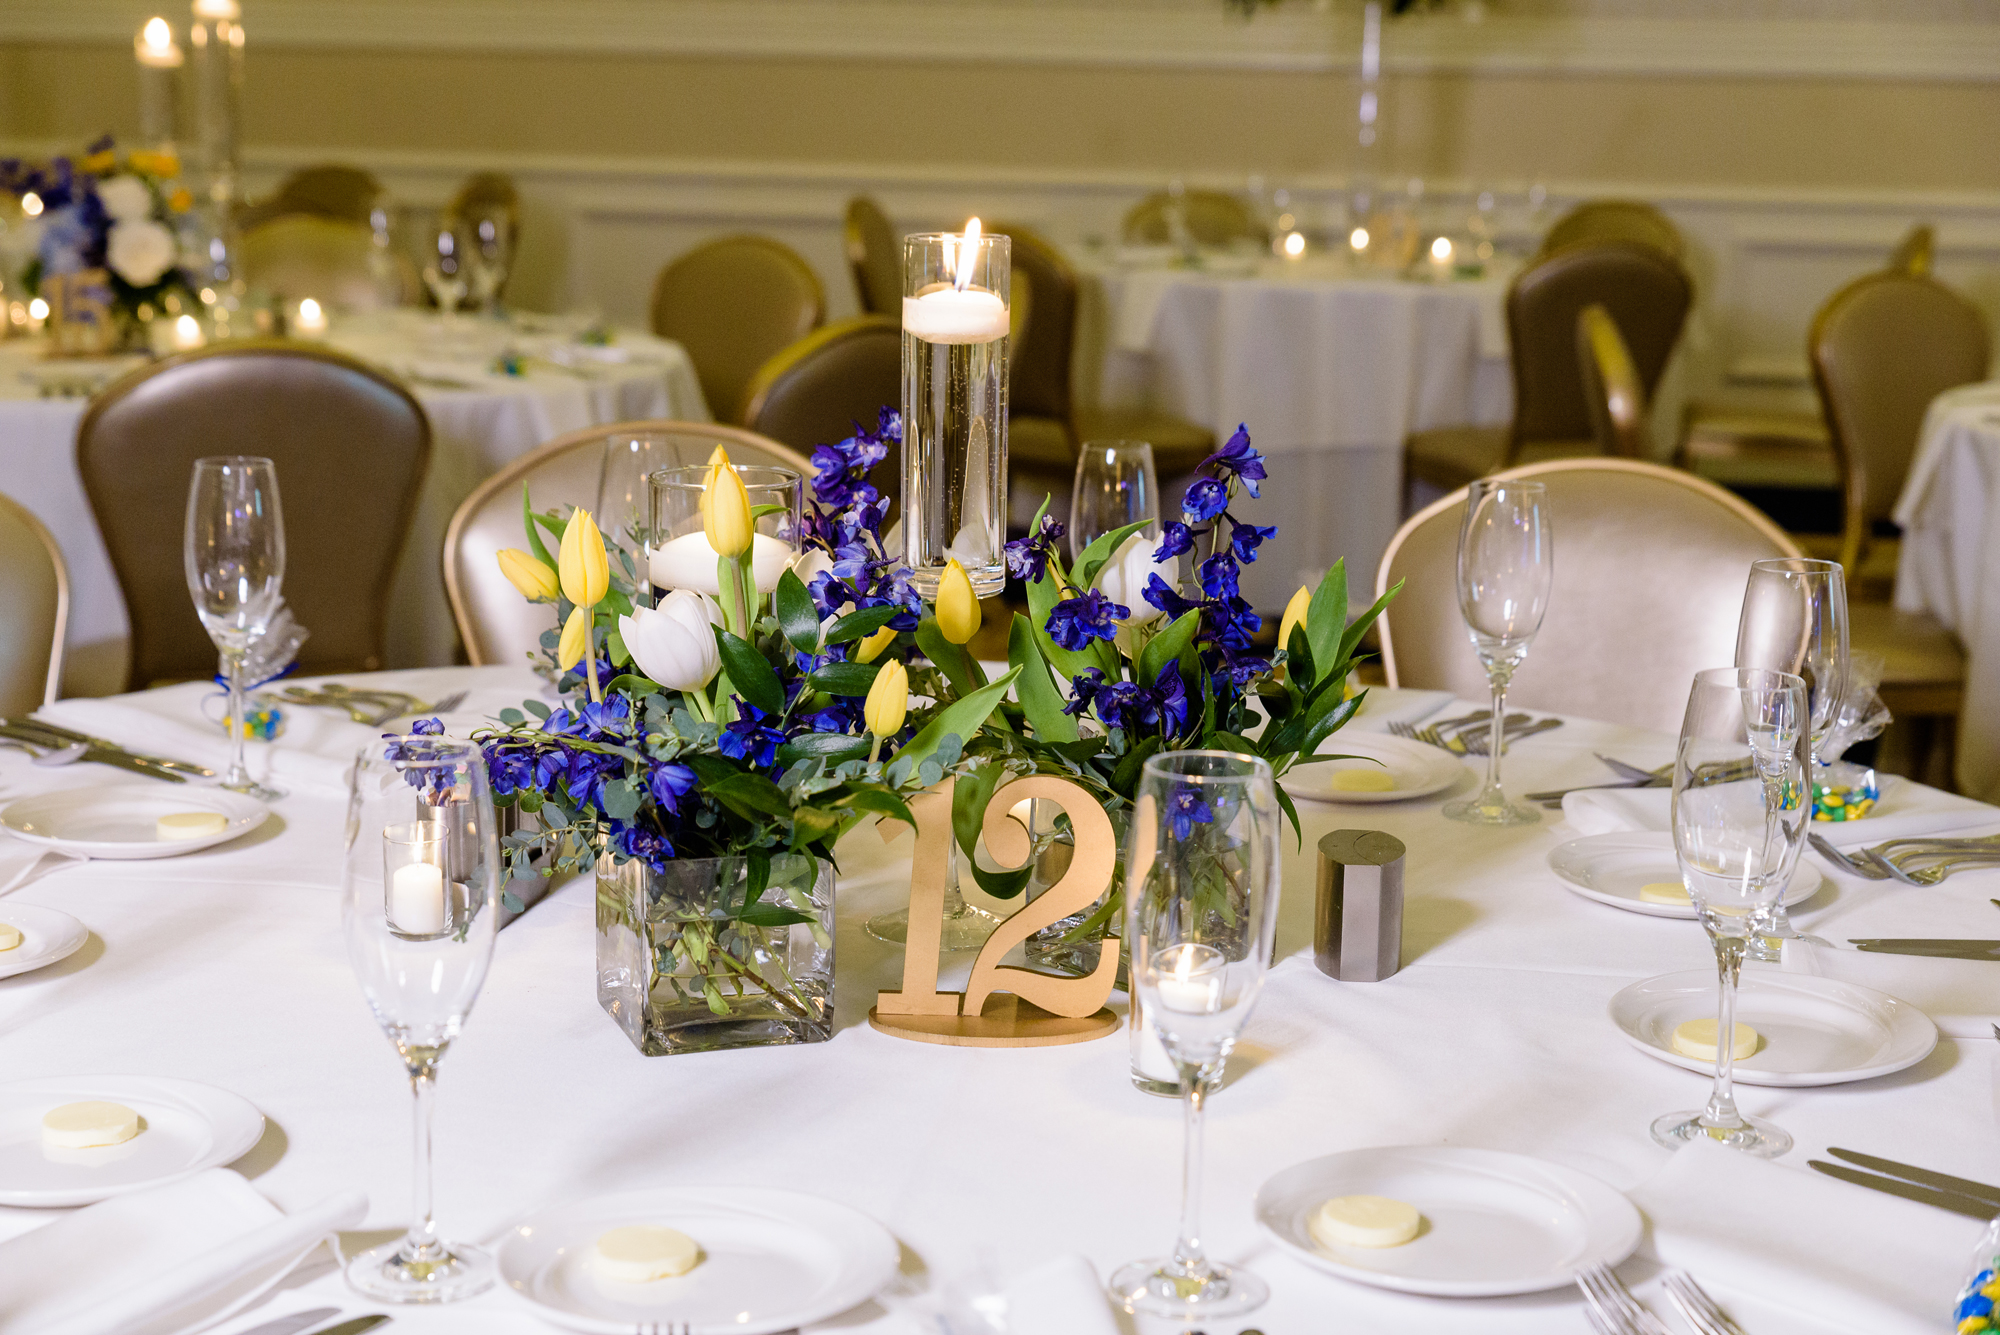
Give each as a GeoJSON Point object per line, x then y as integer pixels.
{"type": "Point", "coordinates": [1176, 538]}
{"type": "Point", "coordinates": [636, 841]}
{"type": "Point", "coordinates": [1083, 690]}
{"type": "Point", "coordinates": [669, 783]}
{"type": "Point", "coordinates": [1170, 695]}
{"type": "Point", "coordinates": [1206, 498]}
{"type": "Point", "coordinates": [1028, 558]}
{"type": "Point", "coordinates": [1244, 539]}
{"type": "Point", "coordinates": [1186, 809]}
{"type": "Point", "coordinates": [1238, 458]}
{"type": "Point", "coordinates": [1074, 622]}
{"type": "Point", "coordinates": [750, 738]}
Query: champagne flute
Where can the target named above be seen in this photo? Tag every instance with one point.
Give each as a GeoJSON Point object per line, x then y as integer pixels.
{"type": "Point", "coordinates": [1116, 484]}
{"type": "Point", "coordinates": [1201, 894]}
{"type": "Point", "coordinates": [420, 905]}
{"type": "Point", "coordinates": [624, 496]}
{"type": "Point", "coordinates": [1741, 799]}
{"type": "Point", "coordinates": [445, 272]}
{"type": "Point", "coordinates": [234, 555]}
{"type": "Point", "coordinates": [1795, 620]}
{"type": "Point", "coordinates": [489, 255]}
{"type": "Point", "coordinates": [1504, 568]}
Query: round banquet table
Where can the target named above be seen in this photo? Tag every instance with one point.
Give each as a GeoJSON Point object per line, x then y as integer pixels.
{"type": "Point", "coordinates": [228, 967]}
{"type": "Point", "coordinates": [480, 419]}
{"type": "Point", "coordinates": [1332, 368]}
{"type": "Point", "coordinates": [1950, 562]}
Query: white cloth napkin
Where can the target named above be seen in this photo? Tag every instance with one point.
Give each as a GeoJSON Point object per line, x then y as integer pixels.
{"type": "Point", "coordinates": [167, 1259]}
{"type": "Point", "coordinates": [1058, 1297]}
{"type": "Point", "coordinates": [1853, 1259]}
{"type": "Point", "coordinates": [1602, 810]}
{"type": "Point", "coordinates": [1958, 995]}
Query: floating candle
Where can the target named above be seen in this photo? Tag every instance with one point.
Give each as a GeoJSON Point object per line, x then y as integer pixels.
{"type": "Point", "coordinates": [688, 562]}
{"type": "Point", "coordinates": [944, 314]}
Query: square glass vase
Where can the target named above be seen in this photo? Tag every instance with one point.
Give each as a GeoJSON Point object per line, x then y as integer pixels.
{"type": "Point", "coordinates": [689, 961]}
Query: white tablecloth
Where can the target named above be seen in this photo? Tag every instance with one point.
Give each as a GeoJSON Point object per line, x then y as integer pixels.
{"type": "Point", "coordinates": [1950, 563]}
{"type": "Point", "coordinates": [479, 420]}
{"type": "Point", "coordinates": [1331, 368]}
{"type": "Point", "coordinates": [228, 967]}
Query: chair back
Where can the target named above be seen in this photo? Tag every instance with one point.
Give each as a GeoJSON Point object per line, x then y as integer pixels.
{"type": "Point", "coordinates": [1913, 254]}
{"type": "Point", "coordinates": [1882, 348]}
{"type": "Point", "coordinates": [734, 304]}
{"type": "Point", "coordinates": [1650, 564]}
{"type": "Point", "coordinates": [351, 447]}
{"type": "Point", "coordinates": [1213, 219]}
{"type": "Point", "coordinates": [329, 190]}
{"type": "Point", "coordinates": [496, 623]}
{"type": "Point", "coordinates": [875, 254]}
{"type": "Point", "coordinates": [303, 255]}
{"type": "Point", "coordinates": [34, 611]}
{"type": "Point", "coordinates": [1616, 220]}
{"type": "Point", "coordinates": [1646, 293]}
{"type": "Point", "coordinates": [819, 389]}
{"type": "Point", "coordinates": [1045, 342]}
{"type": "Point", "coordinates": [1611, 387]}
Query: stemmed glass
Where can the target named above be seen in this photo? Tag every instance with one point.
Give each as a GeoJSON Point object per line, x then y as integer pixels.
{"type": "Point", "coordinates": [1795, 620]}
{"type": "Point", "coordinates": [420, 905]}
{"type": "Point", "coordinates": [624, 496]}
{"type": "Point", "coordinates": [488, 254]}
{"type": "Point", "coordinates": [1504, 568]}
{"type": "Point", "coordinates": [1201, 891]}
{"type": "Point", "coordinates": [444, 272]}
{"type": "Point", "coordinates": [234, 554]}
{"type": "Point", "coordinates": [1116, 485]}
{"type": "Point", "coordinates": [1741, 799]}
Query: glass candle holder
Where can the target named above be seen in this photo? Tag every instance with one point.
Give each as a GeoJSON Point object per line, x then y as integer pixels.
{"type": "Point", "coordinates": [678, 555]}
{"type": "Point", "coordinates": [416, 897]}
{"type": "Point", "coordinates": [955, 375]}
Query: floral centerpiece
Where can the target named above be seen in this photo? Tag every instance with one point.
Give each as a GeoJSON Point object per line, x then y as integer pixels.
{"type": "Point", "coordinates": [107, 216]}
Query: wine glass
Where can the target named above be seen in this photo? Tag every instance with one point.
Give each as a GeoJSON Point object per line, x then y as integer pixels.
{"type": "Point", "coordinates": [1741, 799]}
{"type": "Point", "coordinates": [420, 905]}
{"type": "Point", "coordinates": [624, 496]}
{"type": "Point", "coordinates": [1201, 892]}
{"type": "Point", "coordinates": [489, 253]}
{"type": "Point", "coordinates": [1116, 485]}
{"type": "Point", "coordinates": [445, 272]}
{"type": "Point", "coordinates": [1504, 568]}
{"type": "Point", "coordinates": [234, 554]}
{"type": "Point", "coordinates": [1795, 620]}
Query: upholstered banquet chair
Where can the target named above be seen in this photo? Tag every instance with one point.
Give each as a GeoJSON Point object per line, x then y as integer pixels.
{"type": "Point", "coordinates": [490, 199]}
{"type": "Point", "coordinates": [1650, 564]}
{"type": "Point", "coordinates": [1213, 219]}
{"type": "Point", "coordinates": [875, 254]}
{"type": "Point", "coordinates": [351, 447]}
{"type": "Point", "coordinates": [818, 389]}
{"type": "Point", "coordinates": [1612, 389]}
{"type": "Point", "coordinates": [496, 623]}
{"type": "Point", "coordinates": [34, 611]}
{"type": "Point", "coordinates": [1646, 292]}
{"type": "Point", "coordinates": [328, 190]}
{"type": "Point", "coordinates": [301, 255]}
{"type": "Point", "coordinates": [1914, 254]}
{"type": "Point", "coordinates": [734, 304]}
{"type": "Point", "coordinates": [1616, 220]}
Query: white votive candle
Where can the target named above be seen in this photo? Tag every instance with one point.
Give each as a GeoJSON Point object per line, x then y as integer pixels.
{"type": "Point", "coordinates": [688, 562]}
{"type": "Point", "coordinates": [947, 315]}
{"type": "Point", "coordinates": [1187, 980]}
{"type": "Point", "coordinates": [416, 899]}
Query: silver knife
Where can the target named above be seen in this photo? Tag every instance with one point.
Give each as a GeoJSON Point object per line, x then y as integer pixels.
{"type": "Point", "coordinates": [71, 735]}
{"type": "Point", "coordinates": [1928, 1177]}
{"type": "Point", "coordinates": [1909, 1191]}
{"type": "Point", "coordinates": [356, 1326]}
{"type": "Point", "coordinates": [297, 1321]}
{"type": "Point", "coordinates": [1948, 947]}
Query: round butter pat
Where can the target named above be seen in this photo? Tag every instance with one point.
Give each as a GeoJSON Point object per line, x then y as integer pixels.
{"type": "Point", "coordinates": [1665, 892]}
{"type": "Point", "coordinates": [1360, 780]}
{"type": "Point", "coordinates": [191, 824]}
{"type": "Point", "coordinates": [641, 1253]}
{"type": "Point", "coordinates": [1696, 1039]}
{"type": "Point", "coordinates": [10, 936]}
{"type": "Point", "coordinates": [1364, 1221]}
{"type": "Point", "coordinates": [78, 1126]}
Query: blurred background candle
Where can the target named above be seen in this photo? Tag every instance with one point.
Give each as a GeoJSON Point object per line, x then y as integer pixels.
{"type": "Point", "coordinates": [309, 321]}
{"type": "Point", "coordinates": [160, 61]}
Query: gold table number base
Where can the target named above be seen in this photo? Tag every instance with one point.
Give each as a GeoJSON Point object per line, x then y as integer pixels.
{"type": "Point", "coordinates": [1007, 1022]}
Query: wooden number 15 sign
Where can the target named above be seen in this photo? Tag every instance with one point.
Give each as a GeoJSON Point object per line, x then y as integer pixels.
{"type": "Point", "coordinates": [1003, 1007]}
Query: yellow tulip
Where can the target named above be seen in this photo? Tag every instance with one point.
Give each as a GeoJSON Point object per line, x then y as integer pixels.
{"type": "Point", "coordinates": [888, 700]}
{"type": "Point", "coordinates": [529, 574]}
{"type": "Point", "coordinates": [575, 640]}
{"type": "Point", "coordinates": [957, 604]}
{"type": "Point", "coordinates": [725, 508]}
{"type": "Point", "coordinates": [720, 455]}
{"type": "Point", "coordinates": [1295, 615]}
{"type": "Point", "coordinates": [100, 162]}
{"type": "Point", "coordinates": [586, 572]}
{"type": "Point", "coordinates": [871, 648]}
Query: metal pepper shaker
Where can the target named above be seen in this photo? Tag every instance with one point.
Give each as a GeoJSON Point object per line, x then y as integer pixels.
{"type": "Point", "coordinates": [1358, 923]}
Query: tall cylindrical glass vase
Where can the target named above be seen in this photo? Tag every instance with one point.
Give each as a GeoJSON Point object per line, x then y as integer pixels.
{"type": "Point", "coordinates": [955, 375]}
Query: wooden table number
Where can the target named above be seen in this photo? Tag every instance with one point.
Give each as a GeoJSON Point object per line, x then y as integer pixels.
{"type": "Point", "coordinates": [1003, 1007]}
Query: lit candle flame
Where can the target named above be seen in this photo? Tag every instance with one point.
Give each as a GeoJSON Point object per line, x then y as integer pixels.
{"type": "Point", "coordinates": [38, 309]}
{"type": "Point", "coordinates": [159, 38]}
{"type": "Point", "coordinates": [31, 204]}
{"type": "Point", "coordinates": [1441, 249]}
{"type": "Point", "coordinates": [968, 256]}
{"type": "Point", "coordinates": [1295, 244]}
{"type": "Point", "coordinates": [308, 311]}
{"type": "Point", "coordinates": [1358, 239]}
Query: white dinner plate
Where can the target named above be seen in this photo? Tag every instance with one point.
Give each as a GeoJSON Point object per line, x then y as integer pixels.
{"type": "Point", "coordinates": [771, 1260]}
{"type": "Point", "coordinates": [47, 935]}
{"type": "Point", "coordinates": [1814, 1031]}
{"type": "Point", "coordinates": [120, 820]}
{"type": "Point", "coordinates": [1610, 868]}
{"type": "Point", "coordinates": [184, 1128]}
{"type": "Point", "coordinates": [1418, 770]}
{"type": "Point", "coordinates": [1493, 1223]}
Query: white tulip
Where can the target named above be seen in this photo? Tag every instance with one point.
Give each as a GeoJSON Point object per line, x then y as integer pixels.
{"type": "Point", "coordinates": [1124, 577]}
{"type": "Point", "coordinates": [809, 566]}
{"type": "Point", "coordinates": [125, 198]}
{"type": "Point", "coordinates": [140, 251]}
{"type": "Point", "coordinates": [674, 643]}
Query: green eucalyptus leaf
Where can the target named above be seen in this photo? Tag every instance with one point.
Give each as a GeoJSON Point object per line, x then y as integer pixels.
{"type": "Point", "coordinates": [620, 799]}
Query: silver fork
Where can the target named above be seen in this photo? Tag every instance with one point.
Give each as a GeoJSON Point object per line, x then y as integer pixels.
{"type": "Point", "coordinates": [1613, 1308]}
{"type": "Point", "coordinates": [1477, 742]}
{"type": "Point", "coordinates": [1866, 870]}
{"type": "Point", "coordinates": [1699, 1309]}
{"type": "Point", "coordinates": [1939, 871]}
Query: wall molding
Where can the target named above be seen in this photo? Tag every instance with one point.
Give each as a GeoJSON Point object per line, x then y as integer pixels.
{"type": "Point", "coordinates": [1298, 36]}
